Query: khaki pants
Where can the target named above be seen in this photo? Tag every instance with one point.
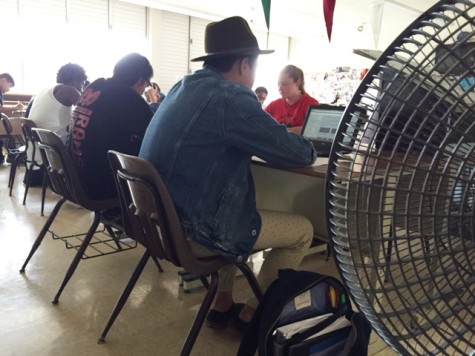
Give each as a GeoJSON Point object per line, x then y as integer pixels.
{"type": "Point", "coordinates": [288, 235]}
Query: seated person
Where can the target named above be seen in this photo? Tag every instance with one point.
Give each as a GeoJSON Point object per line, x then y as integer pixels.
{"type": "Point", "coordinates": [51, 109]}
{"type": "Point", "coordinates": [110, 115]}
{"type": "Point", "coordinates": [6, 83]}
{"type": "Point", "coordinates": [292, 108]}
{"type": "Point", "coordinates": [261, 93]}
{"type": "Point", "coordinates": [203, 151]}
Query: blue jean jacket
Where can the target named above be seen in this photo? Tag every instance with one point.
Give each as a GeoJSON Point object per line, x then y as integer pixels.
{"type": "Point", "coordinates": [201, 141]}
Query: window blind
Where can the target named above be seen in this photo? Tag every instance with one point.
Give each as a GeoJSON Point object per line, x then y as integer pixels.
{"type": "Point", "coordinates": [129, 18]}
{"type": "Point", "coordinates": [173, 45]}
{"type": "Point", "coordinates": [89, 12]}
{"type": "Point", "coordinates": [8, 9]}
{"type": "Point", "coordinates": [197, 41]}
{"type": "Point", "coordinates": [45, 11]}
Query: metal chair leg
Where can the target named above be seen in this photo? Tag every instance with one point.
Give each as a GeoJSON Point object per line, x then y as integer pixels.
{"type": "Point", "coordinates": [204, 280]}
{"type": "Point", "coordinates": [159, 266]}
{"type": "Point", "coordinates": [13, 169]}
{"type": "Point", "coordinates": [256, 288]}
{"type": "Point", "coordinates": [200, 318]}
{"type": "Point", "coordinates": [27, 182]}
{"type": "Point", "coordinates": [78, 255]}
{"type": "Point", "coordinates": [43, 193]}
{"type": "Point", "coordinates": [125, 295]}
{"type": "Point", "coordinates": [11, 177]}
{"type": "Point", "coordinates": [114, 236]}
{"type": "Point", "coordinates": [43, 232]}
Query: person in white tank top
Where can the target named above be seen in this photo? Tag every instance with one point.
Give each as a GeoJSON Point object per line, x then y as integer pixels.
{"type": "Point", "coordinates": [52, 108]}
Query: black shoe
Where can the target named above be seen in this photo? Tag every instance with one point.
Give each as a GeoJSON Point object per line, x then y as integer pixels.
{"type": "Point", "coordinates": [112, 217]}
{"type": "Point", "coordinates": [220, 320]}
{"type": "Point", "coordinates": [239, 324]}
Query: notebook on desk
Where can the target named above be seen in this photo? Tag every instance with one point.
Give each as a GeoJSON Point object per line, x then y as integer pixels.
{"type": "Point", "coordinates": [321, 125]}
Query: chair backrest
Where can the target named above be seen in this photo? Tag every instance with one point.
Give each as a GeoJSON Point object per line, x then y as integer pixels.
{"type": "Point", "coordinates": [7, 128]}
{"type": "Point", "coordinates": [30, 139]}
{"type": "Point", "coordinates": [3, 132]}
{"type": "Point", "coordinates": [62, 173]}
{"type": "Point", "coordinates": [13, 130]}
{"type": "Point", "coordinates": [151, 212]}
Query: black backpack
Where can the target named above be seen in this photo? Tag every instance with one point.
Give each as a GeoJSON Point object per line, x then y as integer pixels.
{"type": "Point", "coordinates": [305, 313]}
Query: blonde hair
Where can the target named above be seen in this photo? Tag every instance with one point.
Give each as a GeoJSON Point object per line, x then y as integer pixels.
{"type": "Point", "coordinates": [296, 74]}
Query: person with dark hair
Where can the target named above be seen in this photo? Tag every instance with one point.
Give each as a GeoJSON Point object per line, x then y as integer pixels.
{"type": "Point", "coordinates": [51, 109]}
{"type": "Point", "coordinates": [261, 93]}
{"type": "Point", "coordinates": [291, 109]}
{"type": "Point", "coordinates": [6, 83]}
{"type": "Point", "coordinates": [110, 115]}
{"type": "Point", "coordinates": [202, 140]}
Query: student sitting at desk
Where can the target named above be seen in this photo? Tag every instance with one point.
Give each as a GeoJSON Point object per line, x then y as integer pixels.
{"type": "Point", "coordinates": [291, 109]}
{"type": "Point", "coordinates": [110, 115]}
{"type": "Point", "coordinates": [203, 152]}
{"type": "Point", "coordinates": [6, 83]}
{"type": "Point", "coordinates": [52, 108]}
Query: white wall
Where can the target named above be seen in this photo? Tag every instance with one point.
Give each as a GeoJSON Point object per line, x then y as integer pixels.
{"type": "Point", "coordinates": [317, 54]}
{"type": "Point", "coordinates": [309, 50]}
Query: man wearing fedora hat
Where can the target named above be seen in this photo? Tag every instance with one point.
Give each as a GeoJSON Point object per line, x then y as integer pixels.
{"type": "Point", "coordinates": [202, 140]}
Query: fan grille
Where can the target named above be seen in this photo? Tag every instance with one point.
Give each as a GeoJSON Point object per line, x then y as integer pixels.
{"type": "Point", "coordinates": [400, 204]}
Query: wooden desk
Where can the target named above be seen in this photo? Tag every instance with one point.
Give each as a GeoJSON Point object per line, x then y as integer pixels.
{"type": "Point", "coordinates": [296, 190]}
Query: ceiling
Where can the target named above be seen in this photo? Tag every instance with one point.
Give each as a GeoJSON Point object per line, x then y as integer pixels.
{"type": "Point", "coordinates": [293, 18]}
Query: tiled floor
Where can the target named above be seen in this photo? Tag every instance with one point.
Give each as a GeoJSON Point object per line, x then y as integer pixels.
{"type": "Point", "coordinates": [155, 320]}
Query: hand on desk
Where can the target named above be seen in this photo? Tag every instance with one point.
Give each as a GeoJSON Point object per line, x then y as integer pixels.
{"type": "Point", "coordinates": [19, 106]}
{"type": "Point", "coordinates": [295, 129]}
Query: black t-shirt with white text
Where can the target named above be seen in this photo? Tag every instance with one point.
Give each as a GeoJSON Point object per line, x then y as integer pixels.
{"type": "Point", "coordinates": [109, 116]}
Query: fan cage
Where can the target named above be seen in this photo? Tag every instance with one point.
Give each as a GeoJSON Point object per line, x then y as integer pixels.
{"type": "Point", "coordinates": [401, 185]}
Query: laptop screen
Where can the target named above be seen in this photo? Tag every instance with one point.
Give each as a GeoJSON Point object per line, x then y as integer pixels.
{"type": "Point", "coordinates": [322, 123]}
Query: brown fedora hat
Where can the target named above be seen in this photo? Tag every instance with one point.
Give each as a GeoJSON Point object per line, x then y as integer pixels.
{"type": "Point", "coordinates": [231, 36]}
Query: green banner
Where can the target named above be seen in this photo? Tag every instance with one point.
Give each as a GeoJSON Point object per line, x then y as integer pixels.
{"type": "Point", "coordinates": [266, 7]}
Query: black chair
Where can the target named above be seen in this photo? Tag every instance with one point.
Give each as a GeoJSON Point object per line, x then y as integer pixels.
{"type": "Point", "coordinates": [15, 146]}
{"type": "Point", "coordinates": [32, 163]}
{"type": "Point", "coordinates": [64, 180]}
{"type": "Point", "coordinates": [151, 213]}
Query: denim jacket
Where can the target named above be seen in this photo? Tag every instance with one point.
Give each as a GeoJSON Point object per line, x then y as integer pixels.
{"type": "Point", "coordinates": [201, 141]}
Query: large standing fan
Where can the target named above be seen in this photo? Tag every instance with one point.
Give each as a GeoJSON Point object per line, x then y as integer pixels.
{"type": "Point", "coordinates": [401, 187]}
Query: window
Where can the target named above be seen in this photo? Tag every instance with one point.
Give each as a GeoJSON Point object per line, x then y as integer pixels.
{"type": "Point", "coordinates": [197, 41]}
{"type": "Point", "coordinates": [50, 33]}
{"type": "Point", "coordinates": [173, 47]}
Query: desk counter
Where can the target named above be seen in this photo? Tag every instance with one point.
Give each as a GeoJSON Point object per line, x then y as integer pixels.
{"type": "Point", "coordinates": [295, 190]}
